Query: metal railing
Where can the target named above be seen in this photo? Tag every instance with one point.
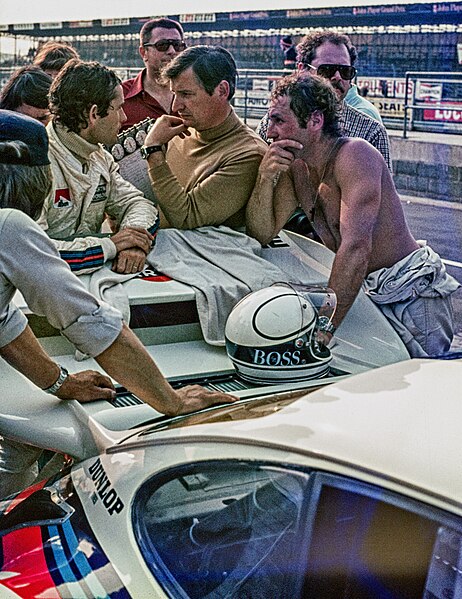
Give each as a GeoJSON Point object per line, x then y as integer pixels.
{"type": "Point", "coordinates": [254, 87]}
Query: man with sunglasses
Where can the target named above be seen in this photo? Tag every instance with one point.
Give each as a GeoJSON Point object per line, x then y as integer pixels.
{"type": "Point", "coordinates": [146, 95]}
{"type": "Point", "coordinates": [331, 55]}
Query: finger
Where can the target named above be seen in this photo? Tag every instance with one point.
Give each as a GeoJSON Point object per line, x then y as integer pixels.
{"type": "Point", "coordinates": [218, 397]}
{"type": "Point", "coordinates": [103, 381]}
{"type": "Point", "coordinates": [120, 265]}
{"type": "Point", "coordinates": [141, 242]}
{"type": "Point", "coordinates": [101, 393]}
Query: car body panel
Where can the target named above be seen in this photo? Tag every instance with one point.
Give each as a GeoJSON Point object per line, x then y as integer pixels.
{"type": "Point", "coordinates": [396, 428]}
{"type": "Point", "coordinates": [364, 340]}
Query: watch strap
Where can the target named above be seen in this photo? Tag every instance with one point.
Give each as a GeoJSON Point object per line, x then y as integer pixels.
{"type": "Point", "coordinates": [56, 386]}
{"type": "Point", "coordinates": [146, 151]}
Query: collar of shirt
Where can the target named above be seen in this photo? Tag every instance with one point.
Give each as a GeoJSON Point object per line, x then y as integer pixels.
{"type": "Point", "coordinates": [133, 87]}
{"type": "Point", "coordinates": [79, 147]}
{"type": "Point", "coordinates": [231, 121]}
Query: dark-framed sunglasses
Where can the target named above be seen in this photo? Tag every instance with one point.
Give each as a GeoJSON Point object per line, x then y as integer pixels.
{"type": "Point", "coordinates": [164, 45]}
{"type": "Point", "coordinates": [327, 71]}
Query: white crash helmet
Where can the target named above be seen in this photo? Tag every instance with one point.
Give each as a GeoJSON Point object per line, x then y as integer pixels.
{"type": "Point", "coordinates": [270, 337]}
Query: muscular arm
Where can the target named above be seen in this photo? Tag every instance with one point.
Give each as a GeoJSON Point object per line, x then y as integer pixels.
{"type": "Point", "coordinates": [359, 208]}
{"type": "Point", "coordinates": [273, 198]}
{"type": "Point", "coordinates": [141, 375]}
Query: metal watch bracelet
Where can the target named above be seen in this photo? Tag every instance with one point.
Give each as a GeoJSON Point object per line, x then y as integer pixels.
{"type": "Point", "coordinates": [56, 386]}
{"type": "Point", "coordinates": [325, 325]}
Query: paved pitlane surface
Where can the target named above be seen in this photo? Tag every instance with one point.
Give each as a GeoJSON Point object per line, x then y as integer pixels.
{"type": "Point", "coordinates": [440, 223]}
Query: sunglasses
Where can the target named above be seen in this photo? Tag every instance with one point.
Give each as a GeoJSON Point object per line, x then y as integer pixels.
{"type": "Point", "coordinates": [328, 71]}
{"type": "Point", "coordinates": [164, 45]}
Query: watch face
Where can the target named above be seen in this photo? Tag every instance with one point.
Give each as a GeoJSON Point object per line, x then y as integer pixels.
{"type": "Point", "coordinates": [129, 145]}
{"type": "Point", "coordinates": [117, 151]}
{"type": "Point", "coordinates": [140, 137]}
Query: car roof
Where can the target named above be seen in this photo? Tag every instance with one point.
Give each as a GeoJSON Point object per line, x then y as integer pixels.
{"type": "Point", "coordinates": [402, 421]}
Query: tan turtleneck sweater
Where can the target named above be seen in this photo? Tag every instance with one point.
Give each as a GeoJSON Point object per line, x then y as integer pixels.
{"type": "Point", "coordinates": [208, 177]}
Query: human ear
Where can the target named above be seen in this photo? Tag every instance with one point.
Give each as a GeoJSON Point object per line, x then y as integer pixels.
{"type": "Point", "coordinates": [223, 89]}
{"type": "Point", "coordinates": [317, 119]}
{"type": "Point", "coordinates": [93, 114]}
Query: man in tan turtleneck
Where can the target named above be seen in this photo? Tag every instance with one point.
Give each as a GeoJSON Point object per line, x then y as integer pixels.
{"type": "Point", "coordinates": [86, 102]}
{"type": "Point", "coordinates": [204, 162]}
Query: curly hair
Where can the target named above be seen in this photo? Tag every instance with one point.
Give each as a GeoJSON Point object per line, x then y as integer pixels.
{"type": "Point", "coordinates": [309, 94]}
{"type": "Point", "coordinates": [306, 49]}
{"type": "Point", "coordinates": [28, 85]}
{"type": "Point", "coordinates": [79, 86]}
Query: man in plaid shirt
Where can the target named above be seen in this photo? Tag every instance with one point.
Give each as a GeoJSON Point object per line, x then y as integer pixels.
{"type": "Point", "coordinates": [331, 55]}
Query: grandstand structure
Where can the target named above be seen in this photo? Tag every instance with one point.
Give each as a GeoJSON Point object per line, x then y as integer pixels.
{"type": "Point", "coordinates": [391, 39]}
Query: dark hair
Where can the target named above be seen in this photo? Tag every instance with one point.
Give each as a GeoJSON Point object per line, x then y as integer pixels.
{"type": "Point", "coordinates": [77, 87]}
{"type": "Point", "coordinates": [146, 30]}
{"type": "Point", "coordinates": [210, 64]}
{"type": "Point", "coordinates": [52, 56]}
{"type": "Point", "coordinates": [28, 85]}
{"type": "Point", "coordinates": [24, 187]}
{"type": "Point", "coordinates": [309, 94]}
{"type": "Point", "coordinates": [306, 49]}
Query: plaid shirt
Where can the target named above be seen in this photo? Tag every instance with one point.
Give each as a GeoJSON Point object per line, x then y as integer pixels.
{"type": "Point", "coordinates": [353, 123]}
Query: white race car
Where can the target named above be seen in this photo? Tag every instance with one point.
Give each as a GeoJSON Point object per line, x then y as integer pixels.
{"type": "Point", "coordinates": [351, 491]}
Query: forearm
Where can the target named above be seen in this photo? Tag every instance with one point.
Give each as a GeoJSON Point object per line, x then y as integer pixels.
{"type": "Point", "coordinates": [84, 255]}
{"type": "Point", "coordinates": [128, 205]}
{"type": "Point", "coordinates": [170, 195]}
{"type": "Point", "coordinates": [347, 275]}
{"type": "Point", "coordinates": [260, 218]}
{"type": "Point", "coordinates": [27, 356]}
{"type": "Point", "coordinates": [209, 198]}
{"type": "Point", "coordinates": [139, 373]}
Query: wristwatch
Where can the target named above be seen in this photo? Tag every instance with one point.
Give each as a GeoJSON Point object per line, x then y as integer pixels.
{"type": "Point", "coordinates": [56, 386]}
{"type": "Point", "coordinates": [325, 325]}
{"type": "Point", "coordinates": [146, 151]}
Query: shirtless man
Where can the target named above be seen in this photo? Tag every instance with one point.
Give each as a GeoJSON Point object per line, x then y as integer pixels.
{"type": "Point", "coordinates": [345, 188]}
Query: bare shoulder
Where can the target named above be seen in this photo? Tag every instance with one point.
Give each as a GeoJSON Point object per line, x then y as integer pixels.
{"type": "Point", "coordinates": [357, 155]}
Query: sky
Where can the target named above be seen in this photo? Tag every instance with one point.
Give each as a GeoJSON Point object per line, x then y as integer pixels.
{"type": "Point", "coordinates": [40, 11]}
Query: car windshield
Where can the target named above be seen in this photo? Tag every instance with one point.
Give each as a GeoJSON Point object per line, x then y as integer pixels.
{"type": "Point", "coordinates": [234, 529]}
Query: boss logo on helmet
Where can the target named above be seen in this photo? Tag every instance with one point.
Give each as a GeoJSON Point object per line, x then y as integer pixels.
{"type": "Point", "coordinates": [274, 358]}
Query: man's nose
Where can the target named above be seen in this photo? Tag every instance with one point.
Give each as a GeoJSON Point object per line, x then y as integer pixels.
{"type": "Point", "coordinates": [271, 132]}
{"type": "Point", "coordinates": [122, 115]}
{"type": "Point", "coordinates": [336, 76]}
{"type": "Point", "coordinates": [177, 104]}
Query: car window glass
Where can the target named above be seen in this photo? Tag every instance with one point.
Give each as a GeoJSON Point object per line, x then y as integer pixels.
{"type": "Point", "coordinates": [224, 530]}
{"type": "Point", "coordinates": [231, 529]}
